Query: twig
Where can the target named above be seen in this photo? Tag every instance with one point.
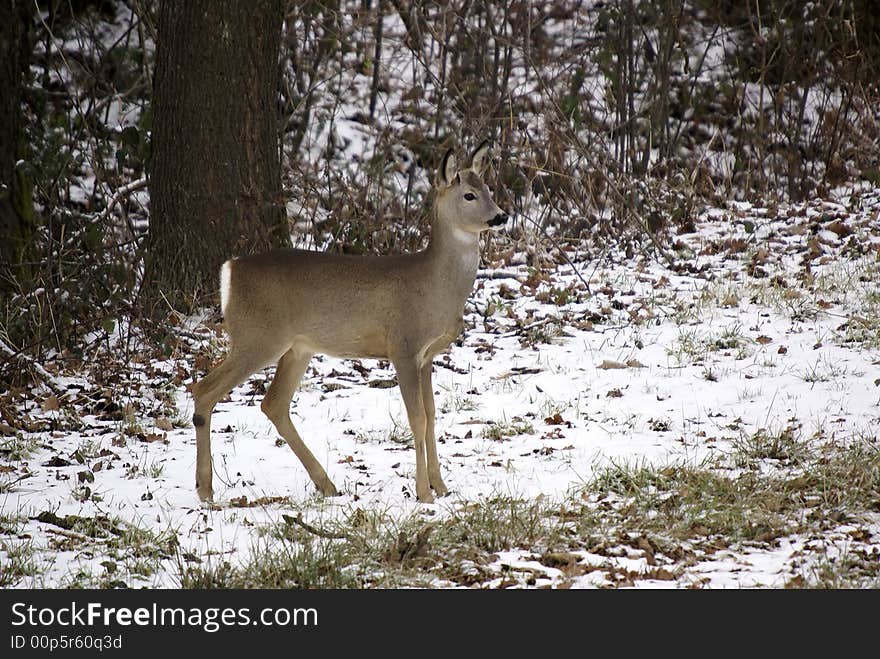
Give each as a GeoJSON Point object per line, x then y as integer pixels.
{"type": "Point", "coordinates": [121, 192]}
{"type": "Point", "coordinates": [377, 56]}
{"type": "Point", "coordinates": [538, 323]}
{"type": "Point", "coordinates": [451, 367]}
{"type": "Point", "coordinates": [560, 250]}
{"type": "Point", "coordinates": [299, 521]}
{"type": "Point", "coordinates": [8, 485]}
{"type": "Point", "coordinates": [47, 377]}
{"type": "Point", "coordinates": [500, 274]}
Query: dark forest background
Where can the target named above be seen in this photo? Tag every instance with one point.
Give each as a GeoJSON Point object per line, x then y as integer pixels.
{"type": "Point", "coordinates": [143, 142]}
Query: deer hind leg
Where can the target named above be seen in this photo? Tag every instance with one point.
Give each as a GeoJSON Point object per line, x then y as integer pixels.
{"type": "Point", "coordinates": [276, 406]}
{"type": "Point", "coordinates": [411, 389]}
{"type": "Point", "coordinates": [207, 392]}
{"type": "Point", "coordinates": [434, 478]}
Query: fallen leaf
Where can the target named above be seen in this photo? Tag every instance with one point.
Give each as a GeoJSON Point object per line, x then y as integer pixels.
{"type": "Point", "coordinates": [50, 404]}
{"type": "Point", "coordinates": [242, 501]}
{"type": "Point", "coordinates": [645, 545]}
{"type": "Point", "coordinates": [525, 370]}
{"type": "Point", "coordinates": [764, 340]}
{"type": "Point", "coordinates": [404, 550]}
{"type": "Point", "coordinates": [661, 574]}
{"type": "Point", "coordinates": [558, 559]}
{"type": "Point", "coordinates": [56, 461]}
{"type": "Point", "coordinates": [840, 228]}
{"type": "Point", "coordinates": [610, 364]}
{"type": "Point", "coordinates": [761, 255]}
{"type": "Point", "coordinates": [730, 301]}
{"type": "Point", "coordinates": [737, 245]}
{"type": "Point", "coordinates": [382, 383]}
{"type": "Point", "coordinates": [798, 582]}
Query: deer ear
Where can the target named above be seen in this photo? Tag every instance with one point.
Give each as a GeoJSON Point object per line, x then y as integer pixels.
{"type": "Point", "coordinates": [447, 170]}
{"type": "Point", "coordinates": [479, 159]}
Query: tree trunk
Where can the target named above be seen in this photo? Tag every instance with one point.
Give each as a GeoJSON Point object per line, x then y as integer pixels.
{"type": "Point", "coordinates": [17, 221]}
{"type": "Point", "coordinates": [215, 174]}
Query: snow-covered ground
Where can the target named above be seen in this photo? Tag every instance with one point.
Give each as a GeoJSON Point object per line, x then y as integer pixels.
{"type": "Point", "coordinates": [763, 328]}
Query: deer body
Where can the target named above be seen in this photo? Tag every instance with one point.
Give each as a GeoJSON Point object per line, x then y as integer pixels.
{"type": "Point", "coordinates": [285, 306]}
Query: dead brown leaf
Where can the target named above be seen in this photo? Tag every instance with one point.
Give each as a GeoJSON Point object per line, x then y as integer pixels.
{"type": "Point", "coordinates": [242, 501]}
{"type": "Point", "coordinates": [840, 228]}
{"type": "Point", "coordinates": [558, 559]}
{"type": "Point", "coordinates": [382, 383]}
{"type": "Point", "coordinates": [405, 549]}
{"type": "Point", "coordinates": [608, 364]}
{"type": "Point", "coordinates": [661, 574]}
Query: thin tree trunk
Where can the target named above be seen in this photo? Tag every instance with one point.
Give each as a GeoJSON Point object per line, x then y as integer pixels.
{"type": "Point", "coordinates": [17, 219]}
{"type": "Point", "coordinates": [377, 56]}
{"type": "Point", "coordinates": [215, 174]}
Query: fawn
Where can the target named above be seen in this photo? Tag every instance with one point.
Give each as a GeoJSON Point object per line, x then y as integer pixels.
{"type": "Point", "coordinates": [286, 305]}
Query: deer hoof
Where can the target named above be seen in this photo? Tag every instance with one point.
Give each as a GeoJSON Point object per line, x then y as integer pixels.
{"type": "Point", "coordinates": [328, 489]}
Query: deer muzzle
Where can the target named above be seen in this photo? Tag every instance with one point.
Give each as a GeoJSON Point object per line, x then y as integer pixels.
{"type": "Point", "coordinates": [498, 220]}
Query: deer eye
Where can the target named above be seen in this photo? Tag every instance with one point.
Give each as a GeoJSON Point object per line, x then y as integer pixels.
{"type": "Point", "coordinates": [470, 196]}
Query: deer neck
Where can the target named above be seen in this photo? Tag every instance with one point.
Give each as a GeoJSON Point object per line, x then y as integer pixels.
{"type": "Point", "coordinates": [454, 255]}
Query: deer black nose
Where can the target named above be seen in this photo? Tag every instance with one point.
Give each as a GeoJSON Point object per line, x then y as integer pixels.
{"type": "Point", "coordinates": [499, 219]}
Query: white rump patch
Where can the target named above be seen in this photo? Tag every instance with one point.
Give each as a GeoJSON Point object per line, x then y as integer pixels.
{"type": "Point", "coordinates": [225, 282]}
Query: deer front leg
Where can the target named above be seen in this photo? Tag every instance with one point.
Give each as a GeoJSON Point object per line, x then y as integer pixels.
{"type": "Point", "coordinates": [410, 388]}
{"type": "Point", "coordinates": [434, 477]}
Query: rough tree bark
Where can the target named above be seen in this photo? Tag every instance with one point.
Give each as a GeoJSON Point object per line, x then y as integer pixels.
{"type": "Point", "coordinates": [17, 222]}
{"type": "Point", "coordinates": [215, 173]}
